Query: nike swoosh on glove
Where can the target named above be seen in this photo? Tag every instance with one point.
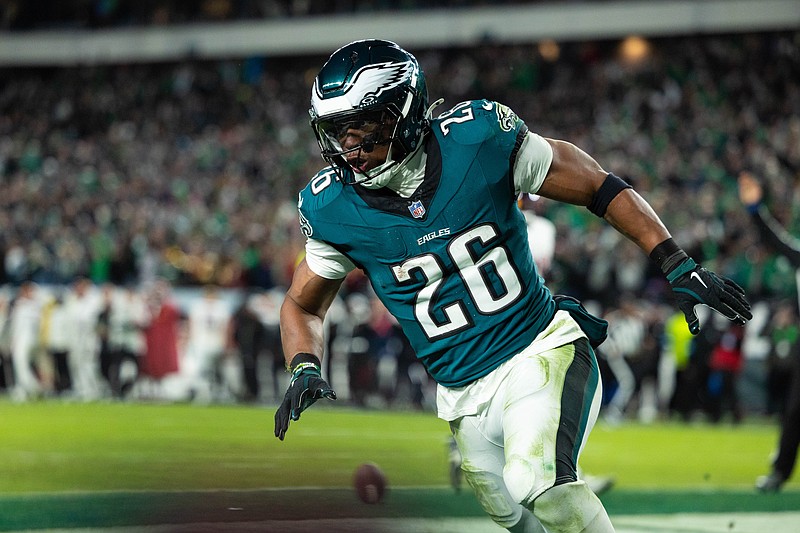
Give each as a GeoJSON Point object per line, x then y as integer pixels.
{"type": "Point", "coordinates": [693, 285]}
{"type": "Point", "coordinates": [306, 387]}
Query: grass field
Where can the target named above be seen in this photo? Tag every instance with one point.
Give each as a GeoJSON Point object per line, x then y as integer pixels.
{"type": "Point", "coordinates": [71, 465]}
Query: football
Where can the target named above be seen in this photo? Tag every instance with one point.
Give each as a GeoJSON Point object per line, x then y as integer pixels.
{"type": "Point", "coordinates": [369, 482]}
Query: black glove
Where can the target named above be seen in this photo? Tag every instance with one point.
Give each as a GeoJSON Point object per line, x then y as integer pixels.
{"type": "Point", "coordinates": [693, 284]}
{"type": "Point", "coordinates": [306, 387]}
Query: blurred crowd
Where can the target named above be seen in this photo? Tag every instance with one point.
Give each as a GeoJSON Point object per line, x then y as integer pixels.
{"type": "Point", "coordinates": [140, 176]}
{"type": "Point", "coordinates": [190, 171]}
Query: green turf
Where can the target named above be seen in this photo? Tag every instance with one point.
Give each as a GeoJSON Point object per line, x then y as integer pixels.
{"type": "Point", "coordinates": [52, 446]}
{"type": "Point", "coordinates": [61, 446]}
{"type": "Point", "coordinates": [103, 464]}
{"type": "Point", "coordinates": [677, 455]}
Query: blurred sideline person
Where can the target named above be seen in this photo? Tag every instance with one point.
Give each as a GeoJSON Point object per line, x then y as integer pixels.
{"type": "Point", "coordinates": [751, 194]}
{"type": "Point", "coordinates": [270, 313]}
{"type": "Point", "coordinates": [783, 331]}
{"type": "Point", "coordinates": [678, 388]}
{"type": "Point", "coordinates": [56, 334]}
{"type": "Point", "coordinates": [83, 306]}
{"type": "Point", "coordinates": [426, 207]}
{"type": "Point", "coordinates": [102, 327]}
{"type": "Point", "coordinates": [24, 335]}
{"type": "Point", "coordinates": [126, 342]}
{"type": "Point", "coordinates": [725, 365]}
{"type": "Point", "coordinates": [209, 337]}
{"type": "Point", "coordinates": [376, 347]}
{"type": "Point", "coordinates": [626, 337]}
{"type": "Point", "coordinates": [248, 337]}
{"type": "Point", "coordinates": [160, 363]}
{"type": "Point", "coordinates": [361, 362]}
{"type": "Point", "coordinates": [6, 380]}
{"type": "Point", "coordinates": [257, 332]}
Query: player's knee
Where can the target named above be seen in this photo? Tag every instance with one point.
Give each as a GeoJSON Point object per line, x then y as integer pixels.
{"type": "Point", "coordinates": [585, 509]}
{"type": "Point", "coordinates": [494, 498]}
{"type": "Point", "coordinates": [520, 478]}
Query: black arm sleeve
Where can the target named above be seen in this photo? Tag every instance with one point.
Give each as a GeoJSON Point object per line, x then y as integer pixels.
{"type": "Point", "coordinates": [776, 235]}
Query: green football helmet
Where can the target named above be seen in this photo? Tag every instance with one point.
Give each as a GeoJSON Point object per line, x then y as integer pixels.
{"type": "Point", "coordinates": [374, 86]}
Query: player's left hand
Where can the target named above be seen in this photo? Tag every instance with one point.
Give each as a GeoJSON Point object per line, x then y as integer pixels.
{"type": "Point", "coordinates": [306, 387]}
{"type": "Point", "coordinates": [693, 285]}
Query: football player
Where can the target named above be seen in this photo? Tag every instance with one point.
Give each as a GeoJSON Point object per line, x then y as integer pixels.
{"type": "Point", "coordinates": [426, 207]}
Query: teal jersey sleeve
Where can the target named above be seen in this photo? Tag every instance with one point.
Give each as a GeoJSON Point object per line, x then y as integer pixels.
{"type": "Point", "coordinates": [452, 262]}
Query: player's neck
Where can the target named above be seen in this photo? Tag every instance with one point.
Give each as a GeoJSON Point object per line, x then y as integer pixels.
{"type": "Point", "coordinates": [407, 177]}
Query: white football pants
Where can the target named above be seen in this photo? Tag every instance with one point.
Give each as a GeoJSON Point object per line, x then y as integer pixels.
{"type": "Point", "coordinates": [528, 438]}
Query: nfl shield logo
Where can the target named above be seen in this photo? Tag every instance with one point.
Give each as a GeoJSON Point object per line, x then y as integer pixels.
{"type": "Point", "coordinates": [417, 209]}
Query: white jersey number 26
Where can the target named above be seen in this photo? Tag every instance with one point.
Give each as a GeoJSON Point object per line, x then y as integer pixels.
{"type": "Point", "coordinates": [474, 272]}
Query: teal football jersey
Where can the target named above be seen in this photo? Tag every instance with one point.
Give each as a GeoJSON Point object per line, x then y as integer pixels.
{"type": "Point", "coordinates": [452, 262]}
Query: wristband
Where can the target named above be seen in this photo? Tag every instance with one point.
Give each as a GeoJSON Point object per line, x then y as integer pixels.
{"type": "Point", "coordinates": [667, 255]}
{"type": "Point", "coordinates": [303, 360]}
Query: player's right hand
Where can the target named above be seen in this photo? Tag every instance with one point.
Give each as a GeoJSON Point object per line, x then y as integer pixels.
{"type": "Point", "coordinates": [306, 387]}
{"type": "Point", "coordinates": [693, 285]}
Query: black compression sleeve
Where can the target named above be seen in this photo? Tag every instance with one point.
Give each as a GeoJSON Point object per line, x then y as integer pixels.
{"type": "Point", "coordinates": [611, 187]}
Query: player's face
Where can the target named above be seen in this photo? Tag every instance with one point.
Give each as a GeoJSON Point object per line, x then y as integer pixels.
{"type": "Point", "coordinates": [364, 139]}
{"type": "Point", "coordinates": [363, 147]}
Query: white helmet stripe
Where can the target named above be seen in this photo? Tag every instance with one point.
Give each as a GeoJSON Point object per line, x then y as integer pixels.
{"type": "Point", "coordinates": [407, 105]}
{"type": "Point", "coordinates": [368, 84]}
